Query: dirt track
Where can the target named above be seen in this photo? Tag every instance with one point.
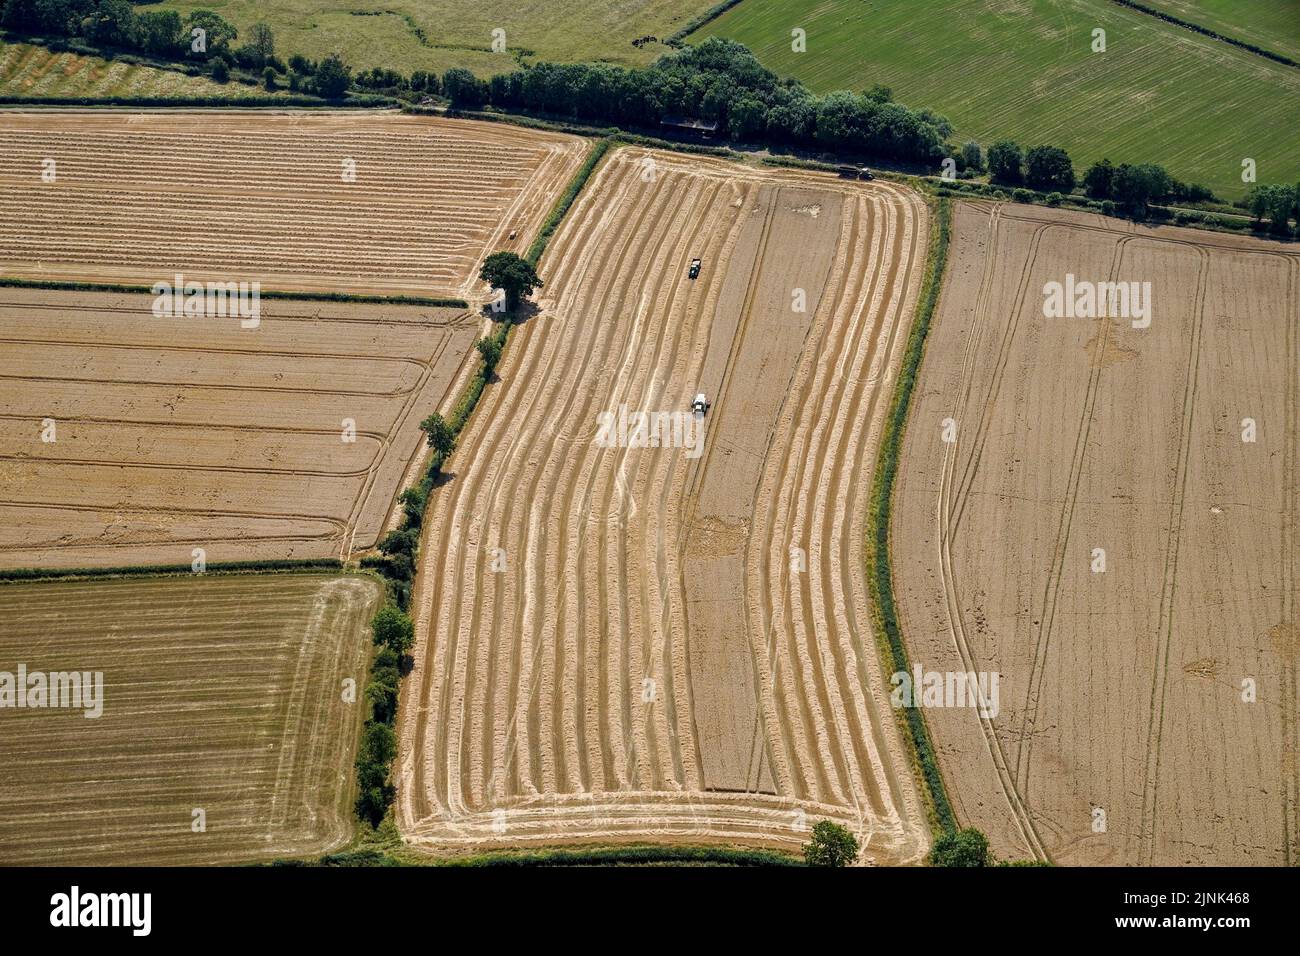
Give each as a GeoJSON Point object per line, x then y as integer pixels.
{"type": "Point", "coordinates": [1121, 689]}
{"type": "Point", "coordinates": [261, 196]}
{"type": "Point", "coordinates": [639, 659]}
{"type": "Point", "coordinates": [176, 433]}
{"type": "Point", "coordinates": [222, 694]}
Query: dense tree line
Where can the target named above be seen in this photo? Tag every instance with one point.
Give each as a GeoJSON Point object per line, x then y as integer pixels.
{"type": "Point", "coordinates": [204, 36]}
{"type": "Point", "coordinates": [721, 82]}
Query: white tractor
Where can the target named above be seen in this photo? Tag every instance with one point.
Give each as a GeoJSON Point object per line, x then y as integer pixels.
{"type": "Point", "coordinates": [700, 406]}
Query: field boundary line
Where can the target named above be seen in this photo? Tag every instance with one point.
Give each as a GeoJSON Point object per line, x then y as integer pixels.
{"type": "Point", "coordinates": [57, 285]}
{"type": "Point", "coordinates": [880, 585]}
{"type": "Point", "coordinates": [1204, 31]}
{"type": "Point", "coordinates": [290, 566]}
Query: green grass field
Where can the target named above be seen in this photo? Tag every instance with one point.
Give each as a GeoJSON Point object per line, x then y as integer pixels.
{"type": "Point", "coordinates": [407, 35]}
{"type": "Point", "coordinates": [28, 70]}
{"type": "Point", "coordinates": [1024, 69]}
{"type": "Point", "coordinates": [1271, 24]}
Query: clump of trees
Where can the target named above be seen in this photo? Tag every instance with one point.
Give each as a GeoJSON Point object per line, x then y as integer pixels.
{"type": "Point", "coordinates": [1276, 203]}
{"type": "Point", "coordinates": [968, 847]}
{"type": "Point", "coordinates": [1134, 187]}
{"type": "Point", "coordinates": [831, 845]}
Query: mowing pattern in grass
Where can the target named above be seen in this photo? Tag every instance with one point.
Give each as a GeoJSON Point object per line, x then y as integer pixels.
{"type": "Point", "coordinates": [1159, 93]}
{"type": "Point", "coordinates": [408, 35]}
{"type": "Point", "coordinates": [34, 71]}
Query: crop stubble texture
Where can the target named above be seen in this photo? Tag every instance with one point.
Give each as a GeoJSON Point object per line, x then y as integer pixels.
{"type": "Point", "coordinates": [176, 433]}
{"type": "Point", "coordinates": [528, 716]}
{"type": "Point", "coordinates": [223, 694]}
{"type": "Point", "coordinates": [262, 196]}
{"type": "Point", "coordinates": [1120, 690]}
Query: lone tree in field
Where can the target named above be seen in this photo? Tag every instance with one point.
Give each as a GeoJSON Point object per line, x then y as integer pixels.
{"type": "Point", "coordinates": [967, 847]}
{"type": "Point", "coordinates": [831, 845]}
{"type": "Point", "coordinates": [512, 274]}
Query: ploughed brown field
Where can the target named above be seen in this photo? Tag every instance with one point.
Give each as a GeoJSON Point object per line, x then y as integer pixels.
{"type": "Point", "coordinates": [1126, 731]}
{"type": "Point", "coordinates": [172, 434]}
{"type": "Point", "coordinates": [263, 196]}
{"type": "Point", "coordinates": [624, 643]}
{"type": "Point", "coordinates": [224, 695]}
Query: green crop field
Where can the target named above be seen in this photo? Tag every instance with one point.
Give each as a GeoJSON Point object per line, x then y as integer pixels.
{"type": "Point", "coordinates": [28, 70]}
{"type": "Point", "coordinates": [407, 35]}
{"type": "Point", "coordinates": [1271, 24]}
{"type": "Point", "coordinates": [1024, 69]}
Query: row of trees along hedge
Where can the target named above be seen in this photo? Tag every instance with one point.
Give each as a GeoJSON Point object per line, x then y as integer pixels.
{"type": "Point", "coordinates": [717, 81]}
{"type": "Point", "coordinates": [1132, 187]}
{"type": "Point", "coordinates": [394, 632]}
{"type": "Point", "coordinates": [204, 36]}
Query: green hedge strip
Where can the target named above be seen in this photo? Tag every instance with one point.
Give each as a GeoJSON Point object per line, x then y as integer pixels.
{"type": "Point", "coordinates": [880, 576]}
{"type": "Point", "coordinates": [595, 856]}
{"type": "Point", "coordinates": [145, 570]}
{"type": "Point", "coordinates": [400, 574]}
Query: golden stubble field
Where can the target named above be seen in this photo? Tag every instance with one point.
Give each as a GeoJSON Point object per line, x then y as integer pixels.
{"type": "Point", "coordinates": [129, 439]}
{"type": "Point", "coordinates": [350, 201]}
{"type": "Point", "coordinates": [220, 694]}
{"type": "Point", "coordinates": [624, 643]}
{"type": "Point", "coordinates": [1126, 732]}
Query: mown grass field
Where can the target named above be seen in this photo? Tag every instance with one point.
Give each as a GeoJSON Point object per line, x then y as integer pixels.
{"type": "Point", "coordinates": [29, 70]}
{"type": "Point", "coordinates": [222, 694]}
{"type": "Point", "coordinates": [1271, 24]}
{"type": "Point", "coordinates": [407, 35]}
{"type": "Point", "coordinates": [1025, 69]}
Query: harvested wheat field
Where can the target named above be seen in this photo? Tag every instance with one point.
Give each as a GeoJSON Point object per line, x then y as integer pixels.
{"type": "Point", "coordinates": [129, 439]}
{"type": "Point", "coordinates": [1126, 731]}
{"type": "Point", "coordinates": [261, 196]}
{"type": "Point", "coordinates": [616, 642]}
{"type": "Point", "coordinates": [223, 695]}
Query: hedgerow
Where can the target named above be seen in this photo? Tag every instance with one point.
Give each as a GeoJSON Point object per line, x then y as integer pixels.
{"type": "Point", "coordinates": [880, 576]}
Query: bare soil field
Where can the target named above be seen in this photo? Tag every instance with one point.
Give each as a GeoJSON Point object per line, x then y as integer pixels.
{"type": "Point", "coordinates": [262, 196]}
{"type": "Point", "coordinates": [221, 694]}
{"type": "Point", "coordinates": [1127, 731]}
{"type": "Point", "coordinates": [673, 643]}
{"type": "Point", "coordinates": [178, 433]}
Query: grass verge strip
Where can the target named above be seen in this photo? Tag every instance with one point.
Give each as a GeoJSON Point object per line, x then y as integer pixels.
{"type": "Point", "coordinates": [880, 574]}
